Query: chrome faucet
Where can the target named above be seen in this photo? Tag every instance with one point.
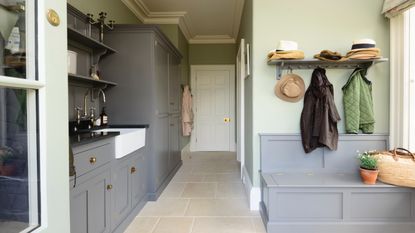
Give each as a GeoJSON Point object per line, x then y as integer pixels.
{"type": "Point", "coordinates": [100, 91]}
{"type": "Point", "coordinates": [85, 105]}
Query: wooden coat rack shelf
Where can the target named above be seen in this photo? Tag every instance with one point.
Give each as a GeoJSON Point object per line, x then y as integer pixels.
{"type": "Point", "coordinates": [308, 64]}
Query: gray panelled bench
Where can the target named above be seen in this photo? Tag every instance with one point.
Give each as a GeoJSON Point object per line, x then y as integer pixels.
{"type": "Point", "coordinates": [321, 192]}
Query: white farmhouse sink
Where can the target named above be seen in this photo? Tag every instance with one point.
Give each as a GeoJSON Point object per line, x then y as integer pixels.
{"type": "Point", "coordinates": [129, 140]}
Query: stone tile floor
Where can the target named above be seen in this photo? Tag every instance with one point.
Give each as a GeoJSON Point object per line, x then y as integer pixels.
{"type": "Point", "coordinates": [205, 196]}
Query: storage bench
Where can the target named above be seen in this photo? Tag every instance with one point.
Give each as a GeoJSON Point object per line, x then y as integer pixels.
{"type": "Point", "coordinates": [322, 191]}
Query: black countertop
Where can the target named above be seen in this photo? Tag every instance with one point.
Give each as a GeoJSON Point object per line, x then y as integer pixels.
{"type": "Point", "coordinates": [89, 137]}
{"type": "Point", "coordinates": [142, 126]}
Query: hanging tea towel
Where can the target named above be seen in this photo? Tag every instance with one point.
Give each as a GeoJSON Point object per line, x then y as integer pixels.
{"type": "Point", "coordinates": [187, 112]}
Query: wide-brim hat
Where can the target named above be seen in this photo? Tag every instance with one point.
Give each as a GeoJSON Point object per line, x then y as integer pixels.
{"type": "Point", "coordinates": [363, 44]}
{"type": "Point", "coordinates": [327, 55]}
{"type": "Point", "coordinates": [290, 88]}
{"type": "Point", "coordinates": [290, 54]}
{"type": "Point", "coordinates": [370, 53]}
{"type": "Point", "coordinates": [286, 45]}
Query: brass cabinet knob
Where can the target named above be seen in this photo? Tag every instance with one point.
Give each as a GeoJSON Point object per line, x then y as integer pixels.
{"type": "Point", "coordinates": [133, 170]}
{"type": "Point", "coordinates": [92, 160]}
{"type": "Point", "coordinates": [227, 119]}
{"type": "Point", "coordinates": [109, 187]}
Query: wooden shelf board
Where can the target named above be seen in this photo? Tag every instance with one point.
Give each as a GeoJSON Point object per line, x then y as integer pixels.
{"type": "Point", "coordinates": [304, 63]}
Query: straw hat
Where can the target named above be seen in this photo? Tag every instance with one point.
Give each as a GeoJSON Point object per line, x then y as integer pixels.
{"type": "Point", "coordinates": [327, 55]}
{"type": "Point", "coordinates": [286, 50]}
{"type": "Point", "coordinates": [286, 45]}
{"type": "Point", "coordinates": [288, 55]}
{"type": "Point", "coordinates": [363, 44]}
{"type": "Point", "coordinates": [290, 88]}
{"type": "Point", "coordinates": [364, 49]}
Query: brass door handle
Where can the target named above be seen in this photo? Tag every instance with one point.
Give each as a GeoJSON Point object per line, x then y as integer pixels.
{"type": "Point", "coordinates": [227, 119]}
{"type": "Point", "coordinates": [109, 187]}
{"type": "Point", "coordinates": [133, 170]}
{"type": "Point", "coordinates": [92, 160]}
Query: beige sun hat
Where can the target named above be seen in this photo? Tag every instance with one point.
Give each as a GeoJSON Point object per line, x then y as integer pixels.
{"type": "Point", "coordinates": [290, 88]}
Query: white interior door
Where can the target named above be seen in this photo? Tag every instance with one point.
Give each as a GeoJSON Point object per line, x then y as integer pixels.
{"type": "Point", "coordinates": [213, 91]}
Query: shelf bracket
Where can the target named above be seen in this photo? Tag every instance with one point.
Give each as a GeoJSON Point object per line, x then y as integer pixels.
{"type": "Point", "coordinates": [279, 69]}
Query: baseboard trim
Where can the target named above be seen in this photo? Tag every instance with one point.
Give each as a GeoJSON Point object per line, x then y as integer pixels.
{"type": "Point", "coordinates": [153, 196]}
{"type": "Point", "coordinates": [253, 193]}
{"type": "Point", "coordinates": [186, 152]}
{"type": "Point", "coordinates": [130, 218]}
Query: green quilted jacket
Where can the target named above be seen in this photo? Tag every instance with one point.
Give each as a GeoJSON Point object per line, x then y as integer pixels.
{"type": "Point", "coordinates": [358, 103]}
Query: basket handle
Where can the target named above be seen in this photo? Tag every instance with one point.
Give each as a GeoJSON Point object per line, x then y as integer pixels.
{"type": "Point", "coordinates": [396, 156]}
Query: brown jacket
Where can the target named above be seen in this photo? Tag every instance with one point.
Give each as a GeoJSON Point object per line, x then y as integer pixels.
{"type": "Point", "coordinates": [319, 117]}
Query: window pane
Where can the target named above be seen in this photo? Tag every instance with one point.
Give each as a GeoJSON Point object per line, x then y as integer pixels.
{"type": "Point", "coordinates": [18, 166]}
{"type": "Point", "coordinates": [13, 38]}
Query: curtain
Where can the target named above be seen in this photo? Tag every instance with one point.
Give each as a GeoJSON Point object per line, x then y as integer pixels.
{"type": "Point", "coordinates": [392, 8]}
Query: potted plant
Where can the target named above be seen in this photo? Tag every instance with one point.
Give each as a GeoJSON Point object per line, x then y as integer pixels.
{"type": "Point", "coordinates": [368, 168]}
{"type": "Point", "coordinates": [7, 157]}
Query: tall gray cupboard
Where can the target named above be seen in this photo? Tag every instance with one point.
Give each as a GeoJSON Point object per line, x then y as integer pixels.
{"type": "Point", "coordinates": [146, 68]}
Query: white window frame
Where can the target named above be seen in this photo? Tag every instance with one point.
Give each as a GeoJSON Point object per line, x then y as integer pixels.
{"type": "Point", "coordinates": [411, 78]}
{"type": "Point", "coordinates": [402, 81]}
{"type": "Point", "coordinates": [32, 86]}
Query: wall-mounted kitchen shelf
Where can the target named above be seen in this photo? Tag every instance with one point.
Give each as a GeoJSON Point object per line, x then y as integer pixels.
{"type": "Point", "coordinates": [18, 8]}
{"type": "Point", "coordinates": [88, 41]}
{"type": "Point", "coordinates": [314, 63]}
{"type": "Point", "coordinates": [89, 80]}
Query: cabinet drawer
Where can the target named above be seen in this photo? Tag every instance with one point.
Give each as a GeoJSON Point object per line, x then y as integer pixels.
{"type": "Point", "coordinates": [95, 157]}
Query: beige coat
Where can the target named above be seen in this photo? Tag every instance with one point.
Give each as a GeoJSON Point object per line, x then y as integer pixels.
{"type": "Point", "coordinates": [187, 112]}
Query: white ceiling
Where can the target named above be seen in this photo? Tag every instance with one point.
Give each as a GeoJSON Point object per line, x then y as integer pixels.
{"type": "Point", "coordinates": [202, 21]}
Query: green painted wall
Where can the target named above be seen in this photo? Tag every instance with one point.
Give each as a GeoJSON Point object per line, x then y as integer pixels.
{"type": "Point", "coordinates": [115, 8]}
{"type": "Point", "coordinates": [315, 25]}
{"type": "Point", "coordinates": [245, 31]}
{"type": "Point", "coordinates": [184, 49]}
{"type": "Point", "coordinates": [212, 54]}
{"type": "Point", "coordinates": [172, 32]}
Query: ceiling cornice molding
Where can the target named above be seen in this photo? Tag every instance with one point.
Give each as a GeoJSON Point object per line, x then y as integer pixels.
{"type": "Point", "coordinates": [143, 13]}
{"type": "Point", "coordinates": [139, 12]}
{"type": "Point", "coordinates": [216, 39]}
{"type": "Point", "coordinates": [185, 27]}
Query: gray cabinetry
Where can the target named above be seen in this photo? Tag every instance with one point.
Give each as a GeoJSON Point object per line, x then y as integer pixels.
{"type": "Point", "coordinates": [129, 186]}
{"type": "Point", "coordinates": [138, 178]}
{"type": "Point", "coordinates": [90, 198]}
{"type": "Point", "coordinates": [121, 199]}
{"type": "Point", "coordinates": [146, 68]}
{"type": "Point", "coordinates": [107, 193]}
{"type": "Point", "coordinates": [90, 204]}
{"type": "Point", "coordinates": [174, 143]}
{"type": "Point", "coordinates": [174, 85]}
{"type": "Point", "coordinates": [161, 63]}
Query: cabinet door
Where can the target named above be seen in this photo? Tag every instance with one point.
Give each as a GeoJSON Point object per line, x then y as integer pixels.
{"type": "Point", "coordinates": [174, 147]}
{"type": "Point", "coordinates": [161, 60]}
{"type": "Point", "coordinates": [174, 84]}
{"type": "Point", "coordinates": [138, 178]}
{"type": "Point", "coordinates": [161, 149]}
{"type": "Point", "coordinates": [121, 193]}
{"type": "Point", "coordinates": [90, 205]}
{"type": "Point", "coordinates": [79, 210]}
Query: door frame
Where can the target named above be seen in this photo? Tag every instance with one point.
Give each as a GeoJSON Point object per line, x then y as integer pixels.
{"type": "Point", "coordinates": [232, 103]}
{"type": "Point", "coordinates": [240, 100]}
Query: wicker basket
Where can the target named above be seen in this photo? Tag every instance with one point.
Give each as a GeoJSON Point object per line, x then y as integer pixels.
{"type": "Point", "coordinates": [397, 167]}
